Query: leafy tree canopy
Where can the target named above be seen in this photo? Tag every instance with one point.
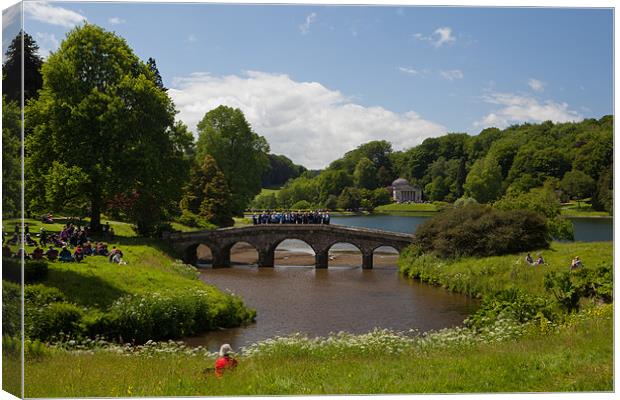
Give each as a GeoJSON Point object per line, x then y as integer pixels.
{"type": "Point", "coordinates": [100, 115]}
{"type": "Point", "coordinates": [239, 152]}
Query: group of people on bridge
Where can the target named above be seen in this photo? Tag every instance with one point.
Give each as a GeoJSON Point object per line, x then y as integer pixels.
{"type": "Point", "coordinates": [291, 217]}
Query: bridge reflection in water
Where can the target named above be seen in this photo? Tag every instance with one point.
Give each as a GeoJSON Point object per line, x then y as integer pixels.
{"type": "Point", "coordinates": [266, 238]}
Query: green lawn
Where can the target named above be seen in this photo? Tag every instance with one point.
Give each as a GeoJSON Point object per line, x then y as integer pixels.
{"type": "Point", "coordinates": [581, 209]}
{"type": "Point", "coordinates": [577, 357]}
{"type": "Point", "coordinates": [413, 207]}
{"type": "Point", "coordinates": [269, 191]}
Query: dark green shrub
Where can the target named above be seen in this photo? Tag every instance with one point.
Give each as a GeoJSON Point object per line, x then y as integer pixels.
{"type": "Point", "coordinates": [42, 295]}
{"type": "Point", "coordinates": [34, 270]}
{"type": "Point", "coordinates": [569, 287]}
{"type": "Point", "coordinates": [195, 221]}
{"type": "Point", "coordinates": [11, 270]}
{"type": "Point", "coordinates": [11, 308]}
{"type": "Point", "coordinates": [514, 304]}
{"type": "Point", "coordinates": [597, 282]}
{"type": "Point", "coordinates": [563, 289]}
{"type": "Point", "coordinates": [479, 230]}
{"type": "Point", "coordinates": [158, 316]}
{"type": "Point", "coordinates": [45, 322]}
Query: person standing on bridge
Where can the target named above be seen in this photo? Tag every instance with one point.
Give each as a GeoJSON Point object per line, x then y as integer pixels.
{"type": "Point", "coordinates": [225, 361]}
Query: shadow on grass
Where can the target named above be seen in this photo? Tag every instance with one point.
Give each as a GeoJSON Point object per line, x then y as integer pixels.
{"type": "Point", "coordinates": [83, 289]}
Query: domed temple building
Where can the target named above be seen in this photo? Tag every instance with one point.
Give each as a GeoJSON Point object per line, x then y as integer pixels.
{"type": "Point", "coordinates": [403, 191]}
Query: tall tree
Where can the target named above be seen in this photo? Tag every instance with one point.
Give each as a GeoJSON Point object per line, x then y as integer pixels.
{"type": "Point", "coordinates": [159, 82]}
{"type": "Point", "coordinates": [215, 205]}
{"type": "Point", "coordinates": [99, 113]}
{"type": "Point", "coordinates": [240, 153]}
{"type": "Point", "coordinates": [12, 69]}
{"type": "Point", "coordinates": [11, 156]}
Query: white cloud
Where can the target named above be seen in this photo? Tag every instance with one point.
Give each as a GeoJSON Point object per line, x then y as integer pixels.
{"type": "Point", "coordinates": [518, 109]}
{"type": "Point", "coordinates": [305, 27]}
{"type": "Point", "coordinates": [536, 85]}
{"type": "Point", "coordinates": [440, 37]}
{"type": "Point", "coordinates": [409, 71]}
{"type": "Point", "coordinates": [452, 74]}
{"type": "Point", "coordinates": [445, 36]}
{"type": "Point", "coordinates": [47, 43]}
{"type": "Point", "coordinates": [306, 121]}
{"type": "Point", "coordinates": [44, 12]}
{"type": "Point", "coordinates": [116, 21]}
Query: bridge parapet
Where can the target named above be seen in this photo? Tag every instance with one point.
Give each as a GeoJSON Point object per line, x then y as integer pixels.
{"type": "Point", "coordinates": [265, 238]}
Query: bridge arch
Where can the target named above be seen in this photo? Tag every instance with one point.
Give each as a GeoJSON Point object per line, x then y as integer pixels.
{"type": "Point", "coordinates": [243, 252]}
{"type": "Point", "coordinates": [385, 255]}
{"type": "Point", "coordinates": [204, 254]}
{"type": "Point", "coordinates": [340, 257]}
{"type": "Point", "coordinates": [280, 253]}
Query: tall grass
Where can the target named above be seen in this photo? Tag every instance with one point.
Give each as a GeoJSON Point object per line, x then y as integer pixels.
{"type": "Point", "coordinates": [478, 276]}
{"type": "Point", "coordinates": [577, 356]}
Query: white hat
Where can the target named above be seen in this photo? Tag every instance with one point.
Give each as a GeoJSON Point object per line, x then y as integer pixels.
{"type": "Point", "coordinates": [225, 349]}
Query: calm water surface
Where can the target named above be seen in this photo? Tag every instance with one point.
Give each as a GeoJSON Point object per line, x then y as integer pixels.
{"type": "Point", "coordinates": [317, 302]}
{"type": "Point", "coordinates": [291, 299]}
{"type": "Point", "coordinates": [586, 229]}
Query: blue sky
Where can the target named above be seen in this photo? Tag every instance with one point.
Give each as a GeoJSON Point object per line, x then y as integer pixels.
{"type": "Point", "coordinates": [317, 81]}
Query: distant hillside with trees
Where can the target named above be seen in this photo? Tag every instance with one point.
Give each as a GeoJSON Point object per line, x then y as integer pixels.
{"type": "Point", "coordinates": [573, 159]}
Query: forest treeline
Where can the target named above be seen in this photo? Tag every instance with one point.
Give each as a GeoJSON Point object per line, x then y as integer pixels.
{"type": "Point", "coordinates": [573, 159]}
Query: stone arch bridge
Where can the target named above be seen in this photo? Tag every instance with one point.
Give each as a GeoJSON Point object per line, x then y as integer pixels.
{"type": "Point", "coordinates": [265, 239]}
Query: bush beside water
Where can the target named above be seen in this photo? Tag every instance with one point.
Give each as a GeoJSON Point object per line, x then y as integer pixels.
{"type": "Point", "coordinates": [479, 230]}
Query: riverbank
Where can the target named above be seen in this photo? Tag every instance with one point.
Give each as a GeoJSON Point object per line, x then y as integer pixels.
{"type": "Point", "coordinates": [152, 295]}
{"type": "Point", "coordinates": [477, 277]}
{"type": "Point", "coordinates": [576, 356]}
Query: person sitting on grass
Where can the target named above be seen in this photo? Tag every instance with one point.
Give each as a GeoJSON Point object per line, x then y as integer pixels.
{"type": "Point", "coordinates": [43, 236]}
{"type": "Point", "coordinates": [29, 240]}
{"type": "Point", "coordinates": [116, 255]}
{"type": "Point", "coordinates": [101, 249]}
{"type": "Point", "coordinates": [51, 254]}
{"type": "Point", "coordinates": [225, 361]}
{"type": "Point", "coordinates": [529, 259]}
{"type": "Point", "coordinates": [78, 254]}
{"type": "Point", "coordinates": [88, 249]}
{"type": "Point", "coordinates": [576, 263]}
{"type": "Point", "coordinates": [540, 260]}
{"type": "Point", "coordinates": [65, 255]}
{"type": "Point", "coordinates": [22, 252]}
{"type": "Point", "coordinates": [37, 253]}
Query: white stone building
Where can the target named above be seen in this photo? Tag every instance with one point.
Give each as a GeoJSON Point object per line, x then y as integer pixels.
{"type": "Point", "coordinates": [403, 191]}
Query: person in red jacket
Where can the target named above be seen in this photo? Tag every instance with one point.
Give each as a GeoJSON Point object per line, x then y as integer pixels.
{"type": "Point", "coordinates": [225, 361]}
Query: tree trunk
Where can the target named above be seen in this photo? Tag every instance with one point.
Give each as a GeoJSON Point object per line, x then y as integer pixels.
{"type": "Point", "coordinates": [95, 216]}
